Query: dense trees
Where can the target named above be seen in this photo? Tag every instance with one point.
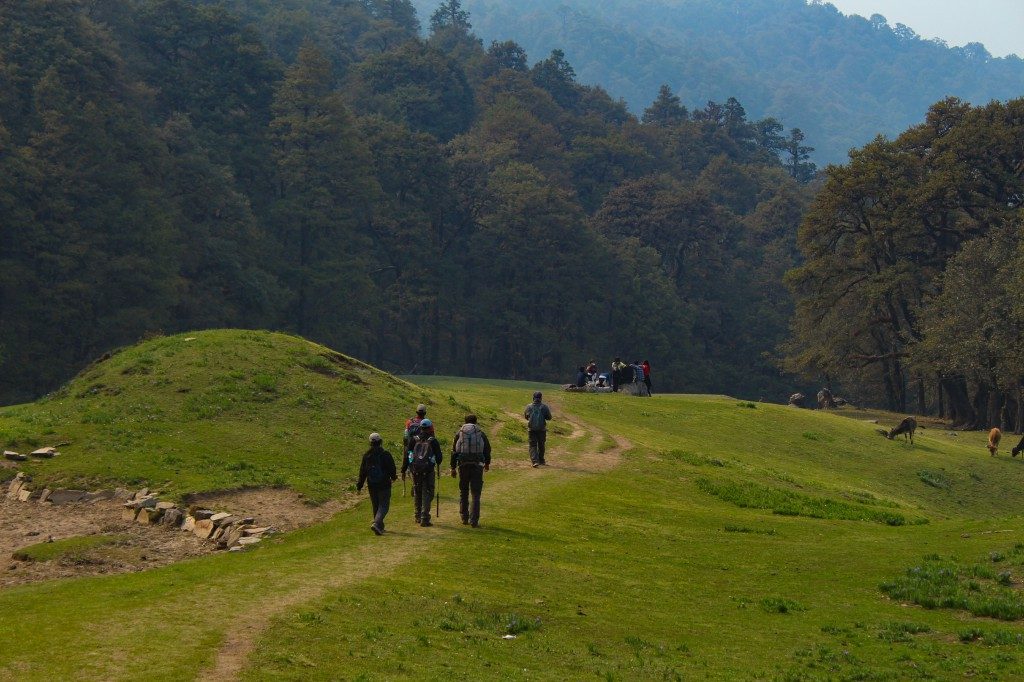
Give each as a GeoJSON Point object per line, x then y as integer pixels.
{"type": "Point", "coordinates": [843, 80]}
{"type": "Point", "coordinates": [907, 292]}
{"type": "Point", "coordinates": [427, 204]}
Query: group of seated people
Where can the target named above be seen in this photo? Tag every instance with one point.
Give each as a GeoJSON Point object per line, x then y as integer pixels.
{"type": "Point", "coordinates": [590, 379]}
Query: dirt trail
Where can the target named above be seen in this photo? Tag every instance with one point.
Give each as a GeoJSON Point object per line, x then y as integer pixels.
{"type": "Point", "coordinates": [398, 547]}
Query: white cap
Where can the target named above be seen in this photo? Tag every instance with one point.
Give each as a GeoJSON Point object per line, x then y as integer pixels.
{"type": "Point", "coordinates": [375, 438]}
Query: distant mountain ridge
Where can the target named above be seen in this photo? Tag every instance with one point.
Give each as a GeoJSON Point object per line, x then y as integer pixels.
{"type": "Point", "coordinates": [842, 79]}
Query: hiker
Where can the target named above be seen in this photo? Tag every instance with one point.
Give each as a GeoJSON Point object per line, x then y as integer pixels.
{"type": "Point", "coordinates": [592, 370]}
{"type": "Point", "coordinates": [423, 462]}
{"type": "Point", "coordinates": [377, 471]}
{"type": "Point", "coordinates": [537, 417]}
{"type": "Point", "coordinates": [581, 377]}
{"type": "Point", "coordinates": [412, 425]}
{"type": "Point", "coordinates": [647, 377]}
{"type": "Point", "coordinates": [471, 455]}
{"type": "Point", "coordinates": [618, 367]}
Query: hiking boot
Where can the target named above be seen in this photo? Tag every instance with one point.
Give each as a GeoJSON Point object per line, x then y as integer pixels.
{"type": "Point", "coordinates": [465, 522]}
{"type": "Point", "coordinates": [426, 524]}
{"type": "Point", "coordinates": [535, 465]}
{"type": "Point", "coordinates": [475, 524]}
{"type": "Point", "coordinates": [375, 529]}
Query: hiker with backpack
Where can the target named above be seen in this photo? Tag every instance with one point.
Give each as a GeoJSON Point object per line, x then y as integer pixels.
{"type": "Point", "coordinates": [537, 417]}
{"type": "Point", "coordinates": [424, 463]}
{"type": "Point", "coordinates": [471, 455]}
{"type": "Point", "coordinates": [377, 471]}
{"type": "Point", "coordinates": [647, 376]}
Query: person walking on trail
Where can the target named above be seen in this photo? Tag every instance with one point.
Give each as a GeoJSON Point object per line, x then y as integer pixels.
{"type": "Point", "coordinates": [423, 463]}
{"type": "Point", "coordinates": [647, 377]}
{"type": "Point", "coordinates": [377, 472]}
{"type": "Point", "coordinates": [412, 425]}
{"type": "Point", "coordinates": [471, 455]}
{"type": "Point", "coordinates": [537, 417]}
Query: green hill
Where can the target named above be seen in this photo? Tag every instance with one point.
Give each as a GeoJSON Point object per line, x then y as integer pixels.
{"type": "Point", "coordinates": [679, 537]}
{"type": "Point", "coordinates": [216, 410]}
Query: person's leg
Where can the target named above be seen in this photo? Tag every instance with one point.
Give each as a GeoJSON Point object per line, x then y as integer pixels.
{"type": "Point", "coordinates": [384, 504]}
{"type": "Point", "coordinates": [542, 437]}
{"type": "Point", "coordinates": [374, 498]}
{"type": "Point", "coordinates": [534, 447]}
{"type": "Point", "coordinates": [417, 498]}
{"type": "Point", "coordinates": [427, 486]}
{"type": "Point", "coordinates": [464, 493]}
{"type": "Point", "coordinates": [476, 484]}
{"type": "Point", "coordinates": [647, 383]}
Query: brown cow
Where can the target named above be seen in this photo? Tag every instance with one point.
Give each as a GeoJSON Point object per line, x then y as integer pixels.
{"type": "Point", "coordinates": [994, 436]}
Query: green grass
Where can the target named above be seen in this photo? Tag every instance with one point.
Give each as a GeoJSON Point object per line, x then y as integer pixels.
{"type": "Point", "coordinates": [670, 564]}
{"type": "Point", "coordinates": [72, 549]}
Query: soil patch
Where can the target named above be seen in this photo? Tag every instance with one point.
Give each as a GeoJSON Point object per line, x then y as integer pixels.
{"type": "Point", "coordinates": [137, 547]}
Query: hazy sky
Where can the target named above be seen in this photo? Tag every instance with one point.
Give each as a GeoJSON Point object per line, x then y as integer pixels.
{"type": "Point", "coordinates": [999, 24]}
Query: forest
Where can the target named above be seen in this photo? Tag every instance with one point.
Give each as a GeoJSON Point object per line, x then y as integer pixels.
{"type": "Point", "coordinates": [400, 191]}
{"type": "Point", "coordinates": [841, 79]}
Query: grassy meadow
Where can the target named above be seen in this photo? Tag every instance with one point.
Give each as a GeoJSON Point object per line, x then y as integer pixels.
{"type": "Point", "coordinates": [681, 537]}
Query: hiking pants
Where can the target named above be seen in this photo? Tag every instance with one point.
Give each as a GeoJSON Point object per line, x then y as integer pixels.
{"type": "Point", "coordinates": [471, 480]}
{"type": "Point", "coordinates": [423, 495]}
{"type": "Point", "coordinates": [647, 383]}
{"type": "Point", "coordinates": [380, 498]}
{"type": "Point", "coordinates": [616, 378]}
{"type": "Point", "coordinates": [537, 440]}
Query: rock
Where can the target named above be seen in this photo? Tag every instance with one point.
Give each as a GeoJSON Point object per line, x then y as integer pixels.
{"type": "Point", "coordinates": [172, 517]}
{"type": "Point", "coordinates": [145, 503]}
{"type": "Point", "coordinates": [14, 488]}
{"type": "Point", "coordinates": [250, 532]}
{"type": "Point", "coordinates": [45, 453]}
{"type": "Point", "coordinates": [165, 505]}
{"type": "Point", "coordinates": [222, 520]}
{"type": "Point", "coordinates": [203, 529]}
{"type": "Point", "coordinates": [249, 541]}
{"type": "Point", "coordinates": [31, 533]}
{"type": "Point", "coordinates": [236, 548]}
{"type": "Point", "coordinates": [232, 535]}
{"type": "Point", "coordinates": [202, 514]}
{"type": "Point", "coordinates": [141, 494]}
{"type": "Point", "coordinates": [100, 495]}
{"type": "Point", "coordinates": [189, 523]}
{"type": "Point", "coordinates": [149, 516]}
{"type": "Point", "coordinates": [24, 495]}
{"type": "Point", "coordinates": [248, 521]}
{"type": "Point", "coordinates": [122, 494]}
{"type": "Point", "coordinates": [14, 456]}
{"type": "Point", "coordinates": [217, 534]}
{"type": "Point", "coordinates": [67, 496]}
{"type": "Point", "coordinates": [128, 514]}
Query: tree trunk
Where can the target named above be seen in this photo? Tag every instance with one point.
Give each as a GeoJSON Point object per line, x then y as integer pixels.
{"type": "Point", "coordinates": [922, 401]}
{"type": "Point", "coordinates": [942, 399]}
{"type": "Point", "coordinates": [1018, 426]}
{"type": "Point", "coordinates": [959, 409]}
{"type": "Point", "coordinates": [993, 409]}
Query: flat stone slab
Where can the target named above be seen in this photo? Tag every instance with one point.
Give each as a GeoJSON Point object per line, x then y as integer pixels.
{"type": "Point", "coordinates": [203, 529]}
{"type": "Point", "coordinates": [165, 505]}
{"type": "Point", "coordinates": [202, 514]}
{"type": "Point", "coordinates": [45, 453]}
{"type": "Point", "coordinates": [249, 541]}
{"type": "Point", "coordinates": [68, 496]}
{"type": "Point", "coordinates": [14, 456]}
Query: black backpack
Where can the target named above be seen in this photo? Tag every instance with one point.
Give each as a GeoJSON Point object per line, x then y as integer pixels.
{"type": "Point", "coordinates": [422, 459]}
{"type": "Point", "coordinates": [375, 473]}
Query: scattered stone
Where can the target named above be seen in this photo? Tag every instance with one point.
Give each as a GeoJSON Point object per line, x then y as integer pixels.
{"type": "Point", "coordinates": [217, 534]}
{"type": "Point", "coordinates": [223, 520]}
{"type": "Point", "coordinates": [67, 496]}
{"type": "Point", "coordinates": [189, 524]}
{"type": "Point", "coordinates": [248, 521]}
{"type": "Point", "coordinates": [236, 548]}
{"type": "Point", "coordinates": [260, 532]}
{"type": "Point", "coordinates": [202, 514]}
{"type": "Point", "coordinates": [15, 486]}
{"type": "Point", "coordinates": [128, 514]}
{"type": "Point", "coordinates": [144, 503]}
{"type": "Point", "coordinates": [31, 533]}
{"type": "Point", "coordinates": [233, 535]}
{"type": "Point", "coordinates": [141, 494]}
{"type": "Point", "coordinates": [165, 505]}
{"type": "Point", "coordinates": [149, 516]}
{"type": "Point", "coordinates": [14, 456]}
{"type": "Point", "coordinates": [122, 494]}
{"type": "Point", "coordinates": [24, 495]}
{"type": "Point", "coordinates": [99, 495]}
{"type": "Point", "coordinates": [203, 529]}
{"type": "Point", "coordinates": [44, 496]}
{"type": "Point", "coordinates": [45, 453]}
{"type": "Point", "coordinates": [172, 517]}
{"type": "Point", "coordinates": [249, 541]}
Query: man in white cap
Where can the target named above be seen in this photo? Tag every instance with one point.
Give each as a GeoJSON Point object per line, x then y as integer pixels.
{"type": "Point", "coordinates": [537, 417]}
{"type": "Point", "coordinates": [378, 472]}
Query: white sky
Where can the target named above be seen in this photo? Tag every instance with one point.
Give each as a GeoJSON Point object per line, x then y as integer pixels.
{"type": "Point", "coordinates": [999, 24]}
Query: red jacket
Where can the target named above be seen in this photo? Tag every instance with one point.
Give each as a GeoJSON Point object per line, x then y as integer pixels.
{"type": "Point", "coordinates": [647, 370]}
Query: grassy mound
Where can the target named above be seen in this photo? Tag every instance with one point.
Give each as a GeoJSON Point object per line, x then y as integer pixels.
{"type": "Point", "coordinates": [217, 410]}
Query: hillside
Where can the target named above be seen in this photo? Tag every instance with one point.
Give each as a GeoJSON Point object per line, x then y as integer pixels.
{"type": "Point", "coordinates": [674, 537]}
{"type": "Point", "coordinates": [215, 410]}
{"type": "Point", "coordinates": [842, 80]}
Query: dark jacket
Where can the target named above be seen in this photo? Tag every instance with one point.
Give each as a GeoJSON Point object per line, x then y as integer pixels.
{"type": "Point", "coordinates": [581, 379]}
{"type": "Point", "coordinates": [455, 444]}
{"type": "Point", "coordinates": [435, 447]}
{"type": "Point", "coordinates": [538, 406]}
{"type": "Point", "coordinates": [382, 458]}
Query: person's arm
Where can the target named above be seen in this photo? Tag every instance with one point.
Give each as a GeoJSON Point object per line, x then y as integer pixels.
{"type": "Point", "coordinates": [547, 413]}
{"type": "Point", "coordinates": [362, 475]}
{"type": "Point", "coordinates": [487, 451]}
{"type": "Point", "coordinates": [526, 412]}
{"type": "Point", "coordinates": [438, 454]}
{"type": "Point", "coordinates": [405, 463]}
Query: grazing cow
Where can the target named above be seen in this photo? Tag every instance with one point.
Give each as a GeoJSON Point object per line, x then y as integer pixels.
{"type": "Point", "coordinates": [994, 436]}
{"type": "Point", "coordinates": [906, 427]}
